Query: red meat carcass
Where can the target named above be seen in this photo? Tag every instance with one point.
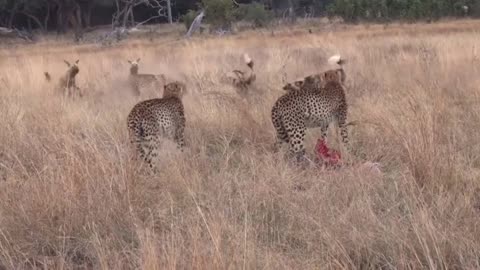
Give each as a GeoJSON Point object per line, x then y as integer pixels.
{"type": "Point", "coordinates": [329, 157]}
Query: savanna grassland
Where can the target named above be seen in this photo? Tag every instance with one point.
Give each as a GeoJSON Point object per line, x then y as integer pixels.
{"type": "Point", "coordinates": [73, 197]}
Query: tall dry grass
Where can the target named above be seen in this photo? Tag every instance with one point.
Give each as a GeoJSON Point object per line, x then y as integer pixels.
{"type": "Point", "coordinates": [72, 198]}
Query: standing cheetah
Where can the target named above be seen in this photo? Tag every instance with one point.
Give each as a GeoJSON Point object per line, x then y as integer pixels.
{"type": "Point", "coordinates": [151, 120]}
{"type": "Point", "coordinates": [317, 104]}
{"type": "Point", "coordinates": [138, 81]}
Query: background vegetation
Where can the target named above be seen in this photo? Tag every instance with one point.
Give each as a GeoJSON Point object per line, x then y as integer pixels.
{"type": "Point", "coordinates": [72, 196]}
{"type": "Point", "coordinates": [60, 15]}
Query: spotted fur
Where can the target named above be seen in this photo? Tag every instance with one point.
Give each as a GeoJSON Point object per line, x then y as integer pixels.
{"type": "Point", "coordinates": [317, 104]}
{"type": "Point", "coordinates": [142, 81]}
{"type": "Point", "coordinates": [152, 120]}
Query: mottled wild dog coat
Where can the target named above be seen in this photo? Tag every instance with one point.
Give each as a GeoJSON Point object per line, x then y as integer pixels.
{"type": "Point", "coordinates": [243, 79]}
{"type": "Point", "coordinates": [66, 84]}
{"type": "Point", "coordinates": [152, 120]}
{"type": "Point", "coordinates": [142, 81]}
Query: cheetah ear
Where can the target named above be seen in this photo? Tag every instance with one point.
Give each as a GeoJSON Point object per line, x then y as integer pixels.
{"type": "Point", "coordinates": [66, 62]}
{"type": "Point", "coordinates": [308, 79]}
{"type": "Point", "coordinates": [323, 76]}
{"type": "Point", "coordinates": [298, 83]}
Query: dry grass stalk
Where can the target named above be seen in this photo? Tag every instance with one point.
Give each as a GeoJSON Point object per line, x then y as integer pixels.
{"type": "Point", "coordinates": [70, 196]}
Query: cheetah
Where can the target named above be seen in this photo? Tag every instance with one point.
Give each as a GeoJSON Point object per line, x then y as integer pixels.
{"type": "Point", "coordinates": [66, 84]}
{"type": "Point", "coordinates": [337, 75]}
{"type": "Point", "coordinates": [243, 79]}
{"type": "Point", "coordinates": [152, 120]}
{"type": "Point", "coordinates": [317, 104]}
{"type": "Point", "coordinates": [138, 81]}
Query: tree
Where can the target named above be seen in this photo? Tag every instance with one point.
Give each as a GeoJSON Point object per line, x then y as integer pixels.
{"type": "Point", "coordinates": [124, 11]}
{"type": "Point", "coordinates": [29, 9]}
{"type": "Point", "coordinates": [219, 13]}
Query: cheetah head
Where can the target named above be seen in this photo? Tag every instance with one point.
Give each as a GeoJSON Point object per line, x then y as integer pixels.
{"type": "Point", "coordinates": [317, 81]}
{"type": "Point", "coordinates": [174, 89]}
{"type": "Point", "coordinates": [333, 75]}
{"type": "Point", "coordinates": [295, 86]}
{"type": "Point", "coordinates": [134, 66]}
{"type": "Point", "coordinates": [72, 69]}
{"type": "Point", "coordinates": [309, 82]}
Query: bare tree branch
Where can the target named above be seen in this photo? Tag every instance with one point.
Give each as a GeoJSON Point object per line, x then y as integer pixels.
{"type": "Point", "coordinates": [35, 19]}
{"type": "Point", "coordinates": [125, 10]}
{"type": "Point", "coordinates": [196, 24]}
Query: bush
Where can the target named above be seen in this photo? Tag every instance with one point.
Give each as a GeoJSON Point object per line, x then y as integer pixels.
{"type": "Point", "coordinates": [188, 18]}
{"type": "Point", "coordinates": [255, 13]}
{"type": "Point", "coordinates": [219, 13]}
{"type": "Point", "coordinates": [344, 8]}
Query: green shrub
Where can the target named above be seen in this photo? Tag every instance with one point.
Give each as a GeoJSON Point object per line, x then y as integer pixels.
{"type": "Point", "coordinates": [255, 13]}
{"type": "Point", "coordinates": [188, 18]}
{"type": "Point", "coordinates": [219, 13]}
{"type": "Point", "coordinates": [345, 8]}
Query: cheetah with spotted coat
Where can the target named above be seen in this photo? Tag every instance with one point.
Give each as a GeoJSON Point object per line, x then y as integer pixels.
{"type": "Point", "coordinates": [152, 120]}
{"type": "Point", "coordinates": [319, 101]}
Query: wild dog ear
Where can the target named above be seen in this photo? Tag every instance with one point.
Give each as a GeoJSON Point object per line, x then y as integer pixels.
{"type": "Point", "coordinates": [138, 60]}
{"type": "Point", "coordinates": [78, 60]}
{"type": "Point", "coordinates": [130, 62]}
{"type": "Point", "coordinates": [66, 62]}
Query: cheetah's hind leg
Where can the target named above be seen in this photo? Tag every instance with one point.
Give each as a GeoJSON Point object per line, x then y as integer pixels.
{"type": "Point", "coordinates": [146, 150]}
{"type": "Point", "coordinates": [296, 139]}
